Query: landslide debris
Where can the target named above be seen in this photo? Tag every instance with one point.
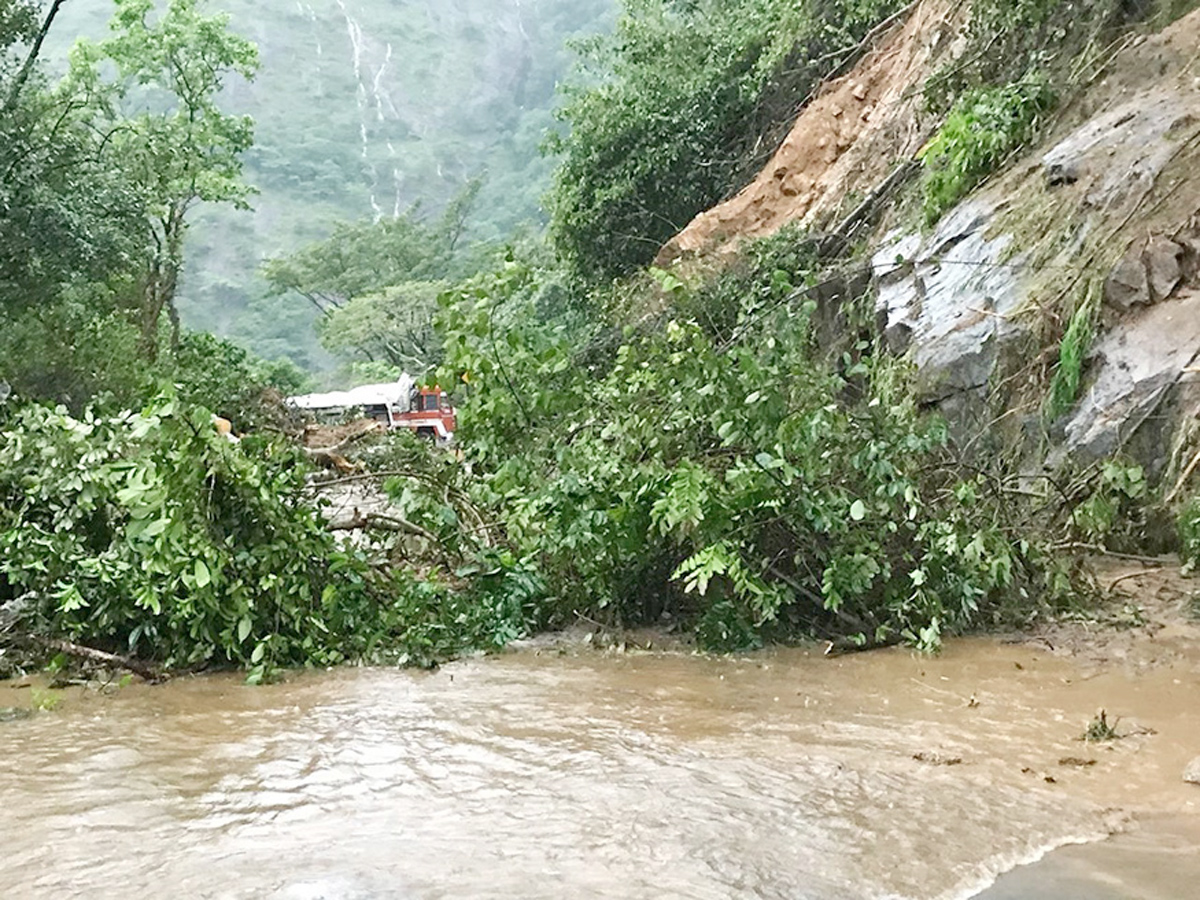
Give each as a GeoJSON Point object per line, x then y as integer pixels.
{"type": "Point", "coordinates": [1099, 226]}
{"type": "Point", "coordinates": [845, 141]}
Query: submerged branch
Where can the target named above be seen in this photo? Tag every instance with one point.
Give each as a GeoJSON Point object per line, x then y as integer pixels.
{"type": "Point", "coordinates": [136, 666]}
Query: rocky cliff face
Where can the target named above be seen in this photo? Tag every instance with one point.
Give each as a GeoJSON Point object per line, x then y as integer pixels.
{"type": "Point", "coordinates": [1106, 212]}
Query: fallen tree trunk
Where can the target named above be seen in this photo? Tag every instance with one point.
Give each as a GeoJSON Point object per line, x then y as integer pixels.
{"type": "Point", "coordinates": [384, 522]}
{"type": "Point", "coordinates": [331, 454]}
{"type": "Point", "coordinates": [136, 666]}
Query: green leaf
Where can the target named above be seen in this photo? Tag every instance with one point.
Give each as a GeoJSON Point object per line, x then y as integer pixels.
{"type": "Point", "coordinates": [203, 576]}
{"type": "Point", "coordinates": [858, 510]}
{"type": "Point", "coordinates": [244, 627]}
{"type": "Point", "coordinates": [155, 528]}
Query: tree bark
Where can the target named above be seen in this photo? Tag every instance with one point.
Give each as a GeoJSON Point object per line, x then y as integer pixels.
{"type": "Point", "coordinates": [162, 281]}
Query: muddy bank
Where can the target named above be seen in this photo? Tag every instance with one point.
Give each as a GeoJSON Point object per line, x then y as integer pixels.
{"type": "Point", "coordinates": [1158, 860]}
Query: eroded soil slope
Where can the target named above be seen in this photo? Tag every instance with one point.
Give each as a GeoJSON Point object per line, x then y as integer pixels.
{"type": "Point", "coordinates": [844, 142]}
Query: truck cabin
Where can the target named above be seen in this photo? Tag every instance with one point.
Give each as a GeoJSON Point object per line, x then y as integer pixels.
{"type": "Point", "coordinates": [401, 404]}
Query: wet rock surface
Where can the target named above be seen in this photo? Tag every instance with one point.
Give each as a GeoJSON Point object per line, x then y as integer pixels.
{"type": "Point", "coordinates": [950, 298]}
{"type": "Point", "coordinates": [1136, 363]}
{"type": "Point", "coordinates": [1149, 272]}
{"type": "Point", "coordinates": [1191, 774]}
{"type": "Point", "coordinates": [963, 301]}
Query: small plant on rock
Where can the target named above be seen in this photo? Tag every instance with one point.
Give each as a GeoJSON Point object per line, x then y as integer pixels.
{"type": "Point", "coordinates": [984, 126]}
{"type": "Point", "coordinates": [1100, 729]}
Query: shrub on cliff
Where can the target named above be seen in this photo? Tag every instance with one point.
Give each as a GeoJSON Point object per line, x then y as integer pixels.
{"type": "Point", "coordinates": [982, 129]}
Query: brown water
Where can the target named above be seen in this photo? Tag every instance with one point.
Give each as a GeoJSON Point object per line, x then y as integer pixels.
{"type": "Point", "coordinates": [633, 776]}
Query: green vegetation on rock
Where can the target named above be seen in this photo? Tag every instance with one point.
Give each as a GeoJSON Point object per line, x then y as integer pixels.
{"type": "Point", "coordinates": [1072, 354]}
{"type": "Point", "coordinates": [984, 126]}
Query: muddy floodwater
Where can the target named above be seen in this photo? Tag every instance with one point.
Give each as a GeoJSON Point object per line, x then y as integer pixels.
{"type": "Point", "coordinates": [635, 775]}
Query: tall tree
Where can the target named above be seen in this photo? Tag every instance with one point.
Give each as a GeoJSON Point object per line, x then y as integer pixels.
{"type": "Point", "coordinates": [376, 283]}
{"type": "Point", "coordinates": [154, 86]}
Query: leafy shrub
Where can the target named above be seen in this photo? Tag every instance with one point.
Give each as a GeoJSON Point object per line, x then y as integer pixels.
{"type": "Point", "coordinates": [737, 478]}
{"type": "Point", "coordinates": [682, 104]}
{"type": "Point", "coordinates": [149, 533]}
{"type": "Point", "coordinates": [1007, 40]}
{"type": "Point", "coordinates": [1113, 509]}
{"type": "Point", "coordinates": [217, 374]}
{"type": "Point", "coordinates": [1189, 534]}
{"type": "Point", "coordinates": [72, 349]}
{"type": "Point", "coordinates": [768, 272]}
{"type": "Point", "coordinates": [984, 126]}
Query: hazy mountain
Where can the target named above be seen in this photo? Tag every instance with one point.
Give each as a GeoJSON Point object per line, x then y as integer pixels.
{"type": "Point", "coordinates": [365, 107]}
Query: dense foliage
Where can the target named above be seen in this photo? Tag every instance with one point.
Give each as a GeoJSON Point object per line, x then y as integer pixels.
{"type": "Point", "coordinates": [152, 90]}
{"type": "Point", "coordinates": [98, 174]}
{"type": "Point", "coordinates": [376, 284]}
{"type": "Point", "coordinates": [680, 106]}
{"type": "Point", "coordinates": [1189, 534]}
{"type": "Point", "coordinates": [739, 478]}
{"type": "Point", "coordinates": [744, 459]}
{"type": "Point", "coordinates": [149, 533]}
{"type": "Point", "coordinates": [362, 108]}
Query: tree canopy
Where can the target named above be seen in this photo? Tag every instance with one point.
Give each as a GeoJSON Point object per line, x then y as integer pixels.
{"type": "Point", "coordinates": [180, 147]}
{"type": "Point", "coordinates": [680, 107]}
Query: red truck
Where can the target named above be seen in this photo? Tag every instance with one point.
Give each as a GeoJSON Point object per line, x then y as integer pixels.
{"type": "Point", "coordinates": [429, 414]}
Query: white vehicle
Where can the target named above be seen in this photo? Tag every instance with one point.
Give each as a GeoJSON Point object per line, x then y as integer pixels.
{"type": "Point", "coordinates": [398, 404]}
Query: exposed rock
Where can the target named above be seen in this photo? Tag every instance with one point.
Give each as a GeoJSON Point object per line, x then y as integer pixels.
{"type": "Point", "coordinates": [1138, 362]}
{"type": "Point", "coordinates": [1164, 266]}
{"type": "Point", "coordinates": [1148, 272]}
{"type": "Point", "coordinates": [952, 297]}
{"type": "Point", "coordinates": [1127, 285]}
{"type": "Point", "coordinates": [1126, 148]}
{"type": "Point", "coordinates": [959, 301]}
{"type": "Point", "coordinates": [1007, 265]}
{"type": "Point", "coordinates": [1191, 774]}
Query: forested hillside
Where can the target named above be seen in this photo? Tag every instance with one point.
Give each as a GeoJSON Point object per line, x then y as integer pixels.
{"type": "Point", "coordinates": [906, 361]}
{"type": "Point", "coordinates": [364, 108]}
